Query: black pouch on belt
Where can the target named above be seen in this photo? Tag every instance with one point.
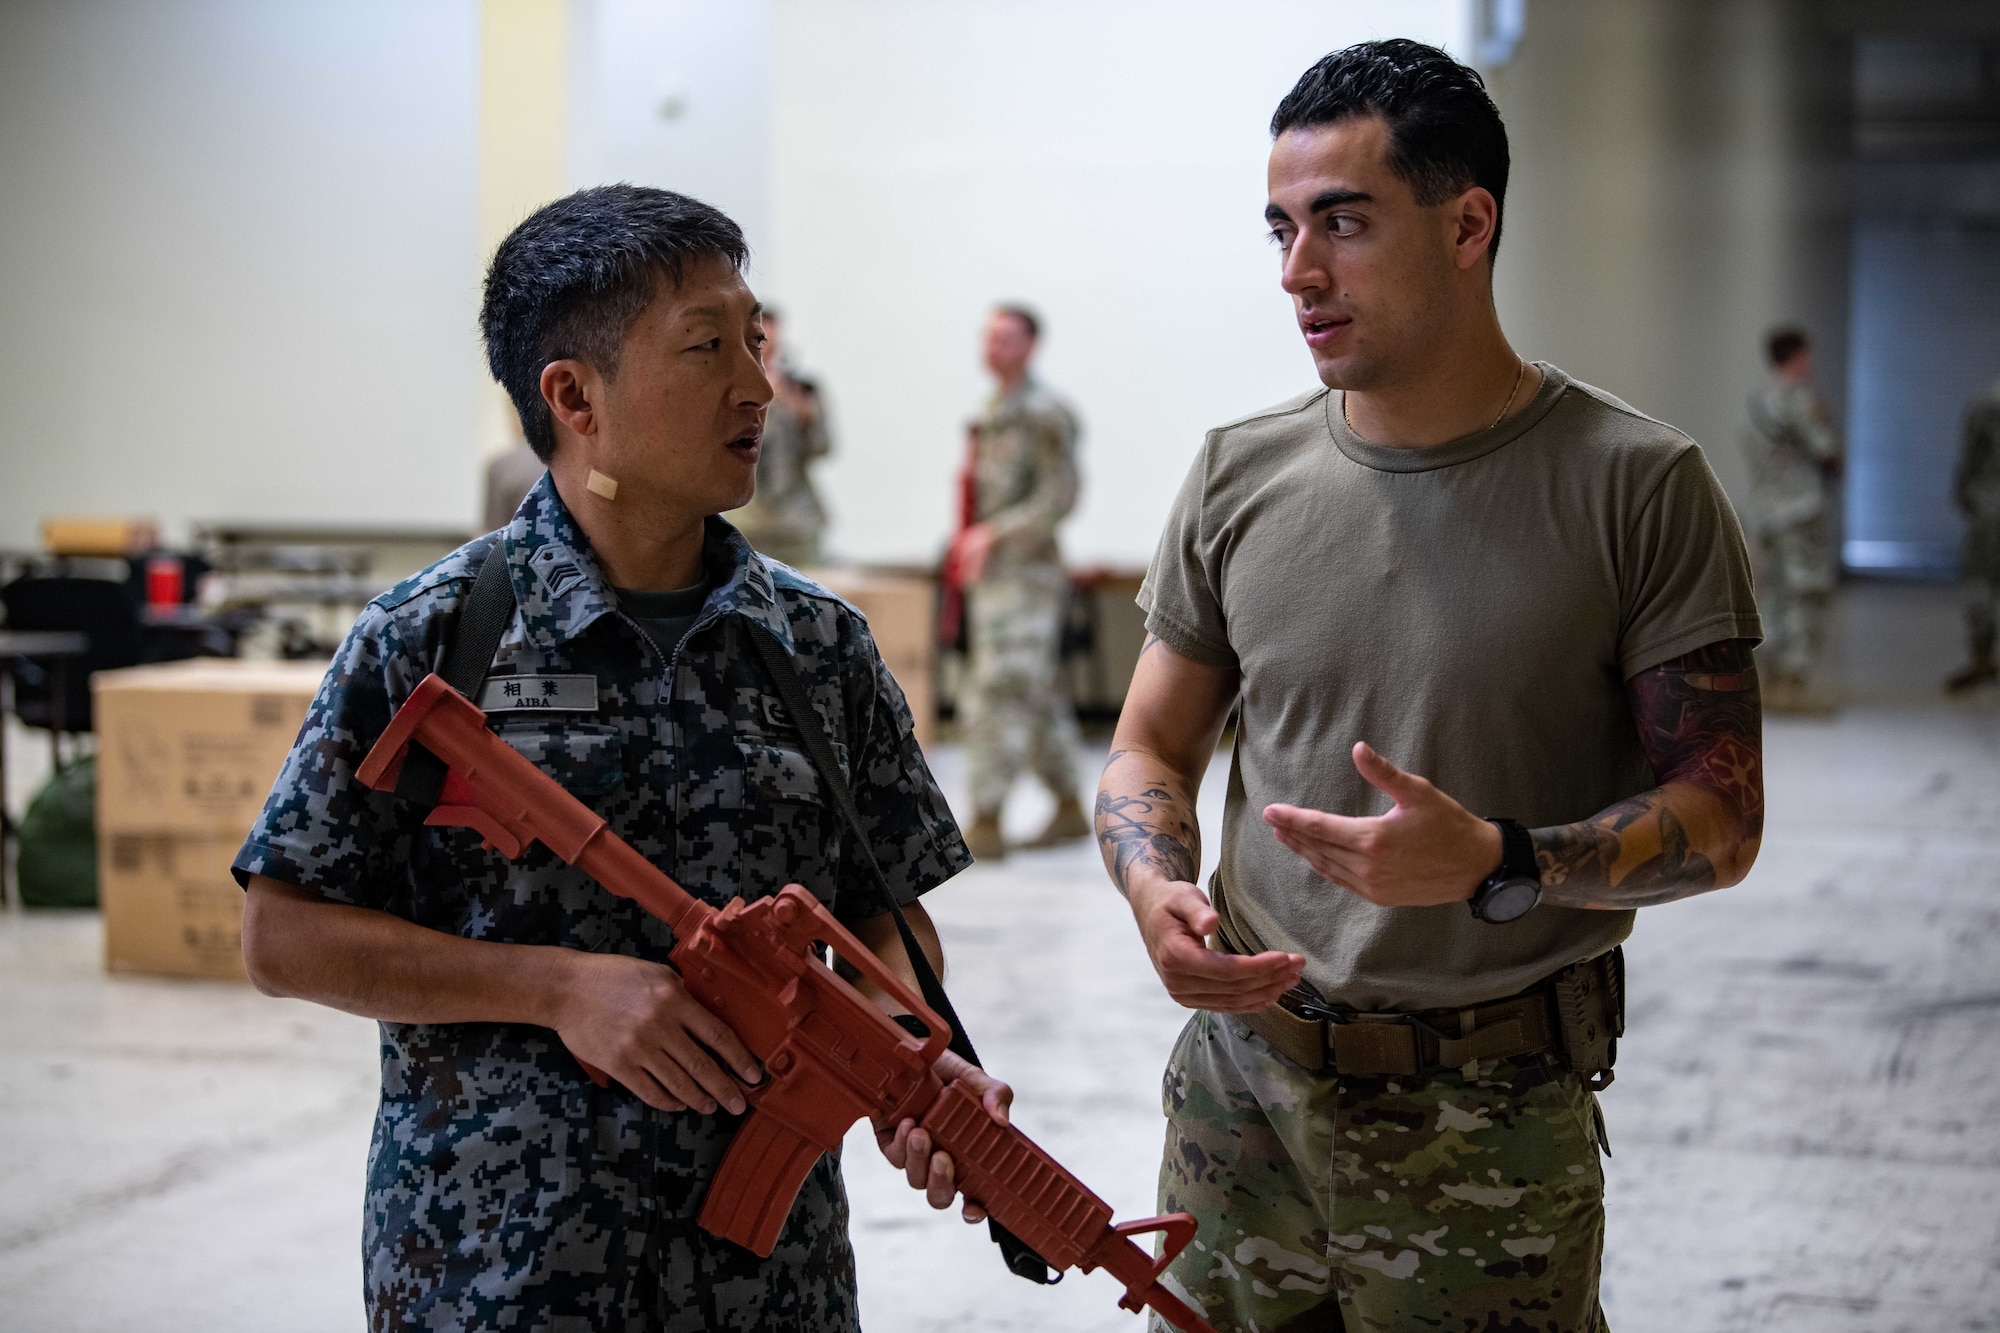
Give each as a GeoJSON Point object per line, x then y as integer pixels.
{"type": "Point", "coordinates": [1590, 1015]}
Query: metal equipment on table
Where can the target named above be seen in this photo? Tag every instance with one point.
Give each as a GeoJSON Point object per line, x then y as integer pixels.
{"type": "Point", "coordinates": [305, 583]}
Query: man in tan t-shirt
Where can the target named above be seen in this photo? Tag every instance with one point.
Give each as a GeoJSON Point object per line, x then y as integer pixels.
{"type": "Point", "coordinates": [1489, 632]}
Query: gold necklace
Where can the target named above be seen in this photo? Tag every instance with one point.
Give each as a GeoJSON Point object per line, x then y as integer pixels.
{"type": "Point", "coordinates": [1519, 375]}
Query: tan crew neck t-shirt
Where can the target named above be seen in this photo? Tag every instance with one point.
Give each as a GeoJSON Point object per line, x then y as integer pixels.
{"type": "Point", "coordinates": [1472, 610]}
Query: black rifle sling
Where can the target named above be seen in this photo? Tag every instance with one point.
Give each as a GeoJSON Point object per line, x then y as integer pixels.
{"type": "Point", "coordinates": [470, 642]}
{"type": "Point", "coordinates": [784, 673]}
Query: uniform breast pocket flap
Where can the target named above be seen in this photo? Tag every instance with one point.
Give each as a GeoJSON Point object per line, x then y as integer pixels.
{"type": "Point", "coordinates": [585, 757]}
{"type": "Point", "coordinates": [777, 773]}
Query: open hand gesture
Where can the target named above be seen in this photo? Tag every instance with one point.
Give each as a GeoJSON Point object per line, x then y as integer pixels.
{"type": "Point", "coordinates": [1426, 851]}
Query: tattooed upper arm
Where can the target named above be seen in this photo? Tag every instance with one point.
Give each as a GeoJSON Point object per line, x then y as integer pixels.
{"type": "Point", "coordinates": [1701, 722]}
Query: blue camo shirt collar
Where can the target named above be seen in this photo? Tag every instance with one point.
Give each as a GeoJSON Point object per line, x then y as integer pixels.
{"type": "Point", "coordinates": [561, 589]}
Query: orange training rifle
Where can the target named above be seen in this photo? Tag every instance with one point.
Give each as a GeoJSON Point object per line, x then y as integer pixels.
{"type": "Point", "coordinates": [833, 1057]}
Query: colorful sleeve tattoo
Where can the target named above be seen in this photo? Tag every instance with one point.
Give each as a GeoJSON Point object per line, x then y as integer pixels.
{"type": "Point", "coordinates": [1701, 724]}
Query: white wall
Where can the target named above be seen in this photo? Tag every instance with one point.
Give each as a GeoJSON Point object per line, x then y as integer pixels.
{"type": "Point", "coordinates": [238, 273]}
{"type": "Point", "coordinates": [713, 63]}
{"type": "Point", "coordinates": [1103, 161]}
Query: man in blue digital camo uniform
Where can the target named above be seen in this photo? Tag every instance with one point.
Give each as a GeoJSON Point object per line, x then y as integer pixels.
{"type": "Point", "coordinates": [505, 1190]}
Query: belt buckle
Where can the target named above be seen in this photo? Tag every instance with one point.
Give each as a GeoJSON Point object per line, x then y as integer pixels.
{"type": "Point", "coordinates": [1320, 1012]}
{"type": "Point", "coordinates": [1426, 1052]}
{"type": "Point", "coordinates": [1317, 1012]}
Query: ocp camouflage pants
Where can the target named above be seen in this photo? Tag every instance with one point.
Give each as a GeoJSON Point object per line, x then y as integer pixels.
{"type": "Point", "coordinates": [1017, 713]}
{"type": "Point", "coordinates": [1794, 597]}
{"type": "Point", "coordinates": [1472, 1201]}
{"type": "Point", "coordinates": [1980, 569]}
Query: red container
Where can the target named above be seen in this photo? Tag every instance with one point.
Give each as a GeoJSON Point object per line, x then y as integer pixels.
{"type": "Point", "coordinates": [166, 581]}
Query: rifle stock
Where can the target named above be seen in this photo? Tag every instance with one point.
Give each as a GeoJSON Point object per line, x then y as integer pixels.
{"type": "Point", "coordinates": [833, 1057]}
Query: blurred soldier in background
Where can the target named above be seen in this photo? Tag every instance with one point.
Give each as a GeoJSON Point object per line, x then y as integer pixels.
{"type": "Point", "coordinates": [1794, 458]}
{"type": "Point", "coordinates": [1977, 490]}
{"type": "Point", "coordinates": [1024, 484]}
{"type": "Point", "coordinates": [785, 519]}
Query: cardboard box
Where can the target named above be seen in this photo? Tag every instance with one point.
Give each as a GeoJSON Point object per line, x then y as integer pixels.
{"type": "Point", "coordinates": [193, 747]}
{"type": "Point", "coordinates": [186, 754]}
{"type": "Point", "coordinates": [902, 615]}
{"type": "Point", "coordinates": [171, 907]}
{"type": "Point", "coordinates": [99, 536]}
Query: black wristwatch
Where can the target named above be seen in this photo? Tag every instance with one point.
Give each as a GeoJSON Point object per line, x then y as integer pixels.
{"type": "Point", "coordinates": [1510, 892]}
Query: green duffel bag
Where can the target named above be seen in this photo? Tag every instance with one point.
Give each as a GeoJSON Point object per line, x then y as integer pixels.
{"type": "Point", "coordinates": [58, 841]}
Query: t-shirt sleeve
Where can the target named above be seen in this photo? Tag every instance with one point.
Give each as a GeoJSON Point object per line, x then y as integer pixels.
{"type": "Point", "coordinates": [1182, 592]}
{"type": "Point", "coordinates": [908, 823]}
{"type": "Point", "coordinates": [1684, 581]}
{"type": "Point", "coordinates": [320, 828]}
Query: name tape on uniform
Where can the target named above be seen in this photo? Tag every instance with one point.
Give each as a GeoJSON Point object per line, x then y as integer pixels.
{"type": "Point", "coordinates": [561, 694]}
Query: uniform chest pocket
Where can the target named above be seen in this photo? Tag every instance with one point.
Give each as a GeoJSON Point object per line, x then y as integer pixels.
{"type": "Point", "coordinates": [781, 773]}
{"type": "Point", "coordinates": [791, 831]}
{"type": "Point", "coordinates": [587, 758]}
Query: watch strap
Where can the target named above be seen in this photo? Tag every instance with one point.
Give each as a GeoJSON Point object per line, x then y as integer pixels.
{"type": "Point", "coordinates": [1517, 866]}
{"type": "Point", "coordinates": [1517, 851]}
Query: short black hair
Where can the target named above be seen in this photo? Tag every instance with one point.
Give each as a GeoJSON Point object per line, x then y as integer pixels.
{"type": "Point", "coordinates": [1028, 318]}
{"type": "Point", "coordinates": [569, 281]}
{"type": "Point", "coordinates": [1783, 344]}
{"type": "Point", "coordinates": [1445, 134]}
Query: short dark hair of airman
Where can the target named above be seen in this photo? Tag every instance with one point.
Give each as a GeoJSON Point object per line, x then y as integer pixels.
{"type": "Point", "coordinates": [1029, 320]}
{"type": "Point", "coordinates": [568, 282]}
{"type": "Point", "coordinates": [1784, 344]}
{"type": "Point", "coordinates": [1445, 134]}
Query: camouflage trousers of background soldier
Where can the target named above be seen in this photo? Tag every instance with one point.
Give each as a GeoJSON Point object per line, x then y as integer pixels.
{"type": "Point", "coordinates": [1793, 600]}
{"type": "Point", "coordinates": [1017, 713]}
{"type": "Point", "coordinates": [1979, 568]}
{"type": "Point", "coordinates": [1469, 1200]}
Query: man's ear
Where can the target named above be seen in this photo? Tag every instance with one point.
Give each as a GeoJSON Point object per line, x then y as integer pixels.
{"type": "Point", "coordinates": [1473, 215]}
{"type": "Point", "coordinates": [574, 392]}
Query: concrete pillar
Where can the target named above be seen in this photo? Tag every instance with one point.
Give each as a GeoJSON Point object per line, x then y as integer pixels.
{"type": "Point", "coordinates": [1679, 186]}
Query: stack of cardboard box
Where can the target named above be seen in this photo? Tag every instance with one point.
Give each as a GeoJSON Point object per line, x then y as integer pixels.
{"type": "Point", "coordinates": [186, 753]}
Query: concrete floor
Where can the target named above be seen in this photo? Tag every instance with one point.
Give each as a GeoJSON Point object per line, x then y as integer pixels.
{"type": "Point", "coordinates": [1806, 1121]}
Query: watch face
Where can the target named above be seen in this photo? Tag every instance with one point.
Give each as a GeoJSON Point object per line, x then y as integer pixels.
{"type": "Point", "coordinates": [1510, 900]}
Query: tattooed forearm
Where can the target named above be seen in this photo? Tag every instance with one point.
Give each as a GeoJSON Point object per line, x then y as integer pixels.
{"type": "Point", "coordinates": [1145, 821]}
{"type": "Point", "coordinates": [1700, 722]}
